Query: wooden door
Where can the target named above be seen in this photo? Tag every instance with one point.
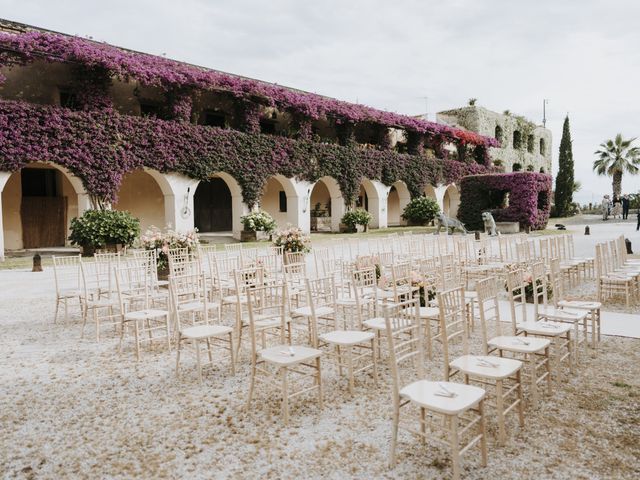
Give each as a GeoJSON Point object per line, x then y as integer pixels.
{"type": "Point", "coordinates": [44, 221]}
{"type": "Point", "coordinates": [212, 206]}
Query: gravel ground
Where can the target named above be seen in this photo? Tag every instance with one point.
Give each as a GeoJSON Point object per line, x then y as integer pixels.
{"type": "Point", "coordinates": [71, 408]}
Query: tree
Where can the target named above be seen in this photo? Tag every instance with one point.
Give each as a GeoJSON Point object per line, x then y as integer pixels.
{"type": "Point", "coordinates": [564, 180]}
{"type": "Point", "coordinates": [616, 157]}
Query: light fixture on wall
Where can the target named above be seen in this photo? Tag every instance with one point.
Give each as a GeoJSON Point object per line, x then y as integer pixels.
{"type": "Point", "coordinates": [186, 211]}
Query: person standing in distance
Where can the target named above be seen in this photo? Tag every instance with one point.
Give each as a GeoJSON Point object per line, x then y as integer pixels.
{"type": "Point", "coordinates": [625, 206]}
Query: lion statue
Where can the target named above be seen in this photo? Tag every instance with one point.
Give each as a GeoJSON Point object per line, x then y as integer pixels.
{"type": "Point", "coordinates": [450, 224]}
{"type": "Point", "coordinates": [489, 224]}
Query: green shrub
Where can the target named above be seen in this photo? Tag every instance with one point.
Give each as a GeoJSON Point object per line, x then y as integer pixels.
{"type": "Point", "coordinates": [259, 221]}
{"type": "Point", "coordinates": [355, 217]}
{"type": "Point", "coordinates": [421, 210]}
{"type": "Point", "coordinates": [99, 228]}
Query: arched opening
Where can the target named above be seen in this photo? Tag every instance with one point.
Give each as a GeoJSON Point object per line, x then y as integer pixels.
{"type": "Point", "coordinates": [530, 168]}
{"type": "Point", "coordinates": [516, 167]}
{"type": "Point", "coordinates": [451, 201]}
{"type": "Point", "coordinates": [276, 200]}
{"type": "Point", "coordinates": [498, 134]}
{"type": "Point", "coordinates": [141, 196]}
{"type": "Point", "coordinates": [212, 206]}
{"type": "Point", "coordinates": [542, 146]}
{"type": "Point", "coordinates": [430, 192]}
{"type": "Point", "coordinates": [38, 203]}
{"type": "Point", "coordinates": [530, 142]}
{"type": "Point", "coordinates": [325, 197]}
{"type": "Point", "coordinates": [517, 139]}
{"type": "Point", "coordinates": [397, 200]}
{"type": "Point", "coordinates": [542, 170]}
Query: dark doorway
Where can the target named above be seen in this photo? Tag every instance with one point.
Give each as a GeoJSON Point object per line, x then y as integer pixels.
{"type": "Point", "coordinates": [43, 210]}
{"type": "Point", "coordinates": [212, 206]}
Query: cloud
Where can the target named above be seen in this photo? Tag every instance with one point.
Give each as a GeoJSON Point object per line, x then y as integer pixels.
{"type": "Point", "coordinates": [582, 55]}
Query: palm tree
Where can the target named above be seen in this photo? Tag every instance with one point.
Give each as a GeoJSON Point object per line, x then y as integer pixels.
{"type": "Point", "coordinates": [616, 157]}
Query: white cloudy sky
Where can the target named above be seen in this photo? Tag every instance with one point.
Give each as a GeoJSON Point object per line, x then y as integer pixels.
{"type": "Point", "coordinates": [583, 55]}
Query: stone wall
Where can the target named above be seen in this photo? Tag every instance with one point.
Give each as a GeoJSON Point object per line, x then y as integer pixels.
{"type": "Point", "coordinates": [534, 151]}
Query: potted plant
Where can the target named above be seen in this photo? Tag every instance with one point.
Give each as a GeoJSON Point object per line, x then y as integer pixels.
{"type": "Point", "coordinates": [356, 220]}
{"type": "Point", "coordinates": [292, 240]}
{"type": "Point", "coordinates": [162, 242]}
{"type": "Point", "coordinates": [104, 229]}
{"type": "Point", "coordinates": [420, 211]}
{"type": "Point", "coordinates": [256, 226]}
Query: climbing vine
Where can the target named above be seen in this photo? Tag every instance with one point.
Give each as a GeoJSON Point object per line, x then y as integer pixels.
{"type": "Point", "coordinates": [100, 147]}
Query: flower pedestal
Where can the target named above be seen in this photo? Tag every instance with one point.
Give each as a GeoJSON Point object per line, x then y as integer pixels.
{"type": "Point", "coordinates": [248, 236]}
{"type": "Point", "coordinates": [163, 272]}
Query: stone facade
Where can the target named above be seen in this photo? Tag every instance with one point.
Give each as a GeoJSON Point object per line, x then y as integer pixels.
{"type": "Point", "coordinates": [525, 145]}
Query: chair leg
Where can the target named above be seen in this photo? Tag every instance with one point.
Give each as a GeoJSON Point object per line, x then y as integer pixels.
{"type": "Point", "coordinates": [137, 334]}
{"type": "Point", "coordinates": [375, 362]}
{"type": "Point", "coordinates": [520, 399]}
{"type": "Point", "coordinates": [178, 355]}
{"type": "Point", "coordinates": [55, 316]}
{"type": "Point", "coordinates": [233, 359]}
{"type": "Point", "coordinates": [285, 396]}
{"type": "Point", "coordinates": [320, 393]}
{"type": "Point", "coordinates": [455, 446]}
{"type": "Point", "coordinates": [483, 432]}
{"type": "Point", "coordinates": [252, 383]}
{"type": "Point", "coordinates": [394, 432]}
{"type": "Point", "coordinates": [197, 346]}
{"type": "Point", "coordinates": [502, 433]}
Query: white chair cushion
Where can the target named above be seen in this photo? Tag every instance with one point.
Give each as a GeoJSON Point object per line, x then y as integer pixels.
{"type": "Point", "coordinates": [424, 393]}
{"type": "Point", "coordinates": [347, 337]}
{"type": "Point", "coordinates": [280, 354]}
{"type": "Point", "coordinates": [205, 331]}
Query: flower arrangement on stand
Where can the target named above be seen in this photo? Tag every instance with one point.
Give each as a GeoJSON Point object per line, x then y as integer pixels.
{"type": "Point", "coordinates": [292, 239]}
{"type": "Point", "coordinates": [162, 242]}
{"type": "Point", "coordinates": [257, 225]}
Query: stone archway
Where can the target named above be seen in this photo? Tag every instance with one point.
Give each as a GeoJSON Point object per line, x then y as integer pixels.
{"type": "Point", "coordinates": [399, 197]}
{"type": "Point", "coordinates": [142, 195]}
{"type": "Point", "coordinates": [38, 203]}
{"type": "Point", "coordinates": [279, 199]}
{"type": "Point", "coordinates": [213, 206]}
{"type": "Point", "coordinates": [327, 205]}
{"type": "Point", "coordinates": [451, 201]}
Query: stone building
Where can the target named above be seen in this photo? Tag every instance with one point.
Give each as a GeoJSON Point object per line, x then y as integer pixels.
{"type": "Point", "coordinates": [83, 122]}
{"type": "Point", "coordinates": [524, 146]}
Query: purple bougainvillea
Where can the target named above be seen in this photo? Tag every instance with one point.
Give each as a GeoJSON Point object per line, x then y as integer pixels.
{"type": "Point", "coordinates": [22, 48]}
{"type": "Point", "coordinates": [528, 196]}
{"type": "Point", "coordinates": [101, 146]}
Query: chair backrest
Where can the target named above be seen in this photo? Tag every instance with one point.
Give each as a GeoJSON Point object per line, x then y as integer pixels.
{"type": "Point", "coordinates": [405, 341]}
{"type": "Point", "coordinates": [321, 292]}
{"type": "Point", "coordinates": [294, 257]}
{"type": "Point", "coordinates": [539, 285]}
{"type": "Point", "coordinates": [555, 279]}
{"type": "Point", "coordinates": [488, 307]}
{"type": "Point", "coordinates": [66, 272]}
{"type": "Point", "coordinates": [247, 279]}
{"type": "Point", "coordinates": [449, 274]}
{"type": "Point", "coordinates": [133, 286]}
{"type": "Point", "coordinates": [189, 288]}
{"type": "Point", "coordinates": [401, 279]}
{"type": "Point", "coordinates": [517, 297]}
{"type": "Point", "coordinates": [453, 321]}
{"type": "Point", "coordinates": [98, 276]}
{"type": "Point", "coordinates": [264, 302]}
{"type": "Point", "coordinates": [233, 249]}
{"type": "Point", "coordinates": [364, 285]}
{"type": "Point", "coordinates": [225, 266]}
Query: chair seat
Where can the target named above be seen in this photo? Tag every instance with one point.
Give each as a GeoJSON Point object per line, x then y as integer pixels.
{"type": "Point", "coordinates": [519, 344]}
{"type": "Point", "coordinates": [306, 311]}
{"type": "Point", "coordinates": [495, 367]}
{"type": "Point", "coordinates": [145, 314]}
{"type": "Point", "coordinates": [379, 323]}
{"type": "Point", "coordinates": [590, 305]}
{"type": "Point", "coordinates": [564, 315]}
{"type": "Point", "coordinates": [429, 312]}
{"type": "Point", "coordinates": [205, 331]}
{"type": "Point", "coordinates": [425, 394]}
{"type": "Point", "coordinates": [347, 337]}
{"type": "Point", "coordinates": [544, 328]}
{"type": "Point", "coordinates": [280, 354]}
{"type": "Point", "coordinates": [266, 321]}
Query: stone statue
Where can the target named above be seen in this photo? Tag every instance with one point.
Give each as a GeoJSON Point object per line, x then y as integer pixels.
{"type": "Point", "coordinates": [489, 224]}
{"type": "Point", "coordinates": [450, 224]}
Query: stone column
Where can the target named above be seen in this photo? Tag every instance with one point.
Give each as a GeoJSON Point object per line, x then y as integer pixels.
{"type": "Point", "coordinates": [178, 193]}
{"type": "Point", "coordinates": [4, 178]}
{"type": "Point", "coordinates": [299, 205]}
{"type": "Point", "coordinates": [378, 205]}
